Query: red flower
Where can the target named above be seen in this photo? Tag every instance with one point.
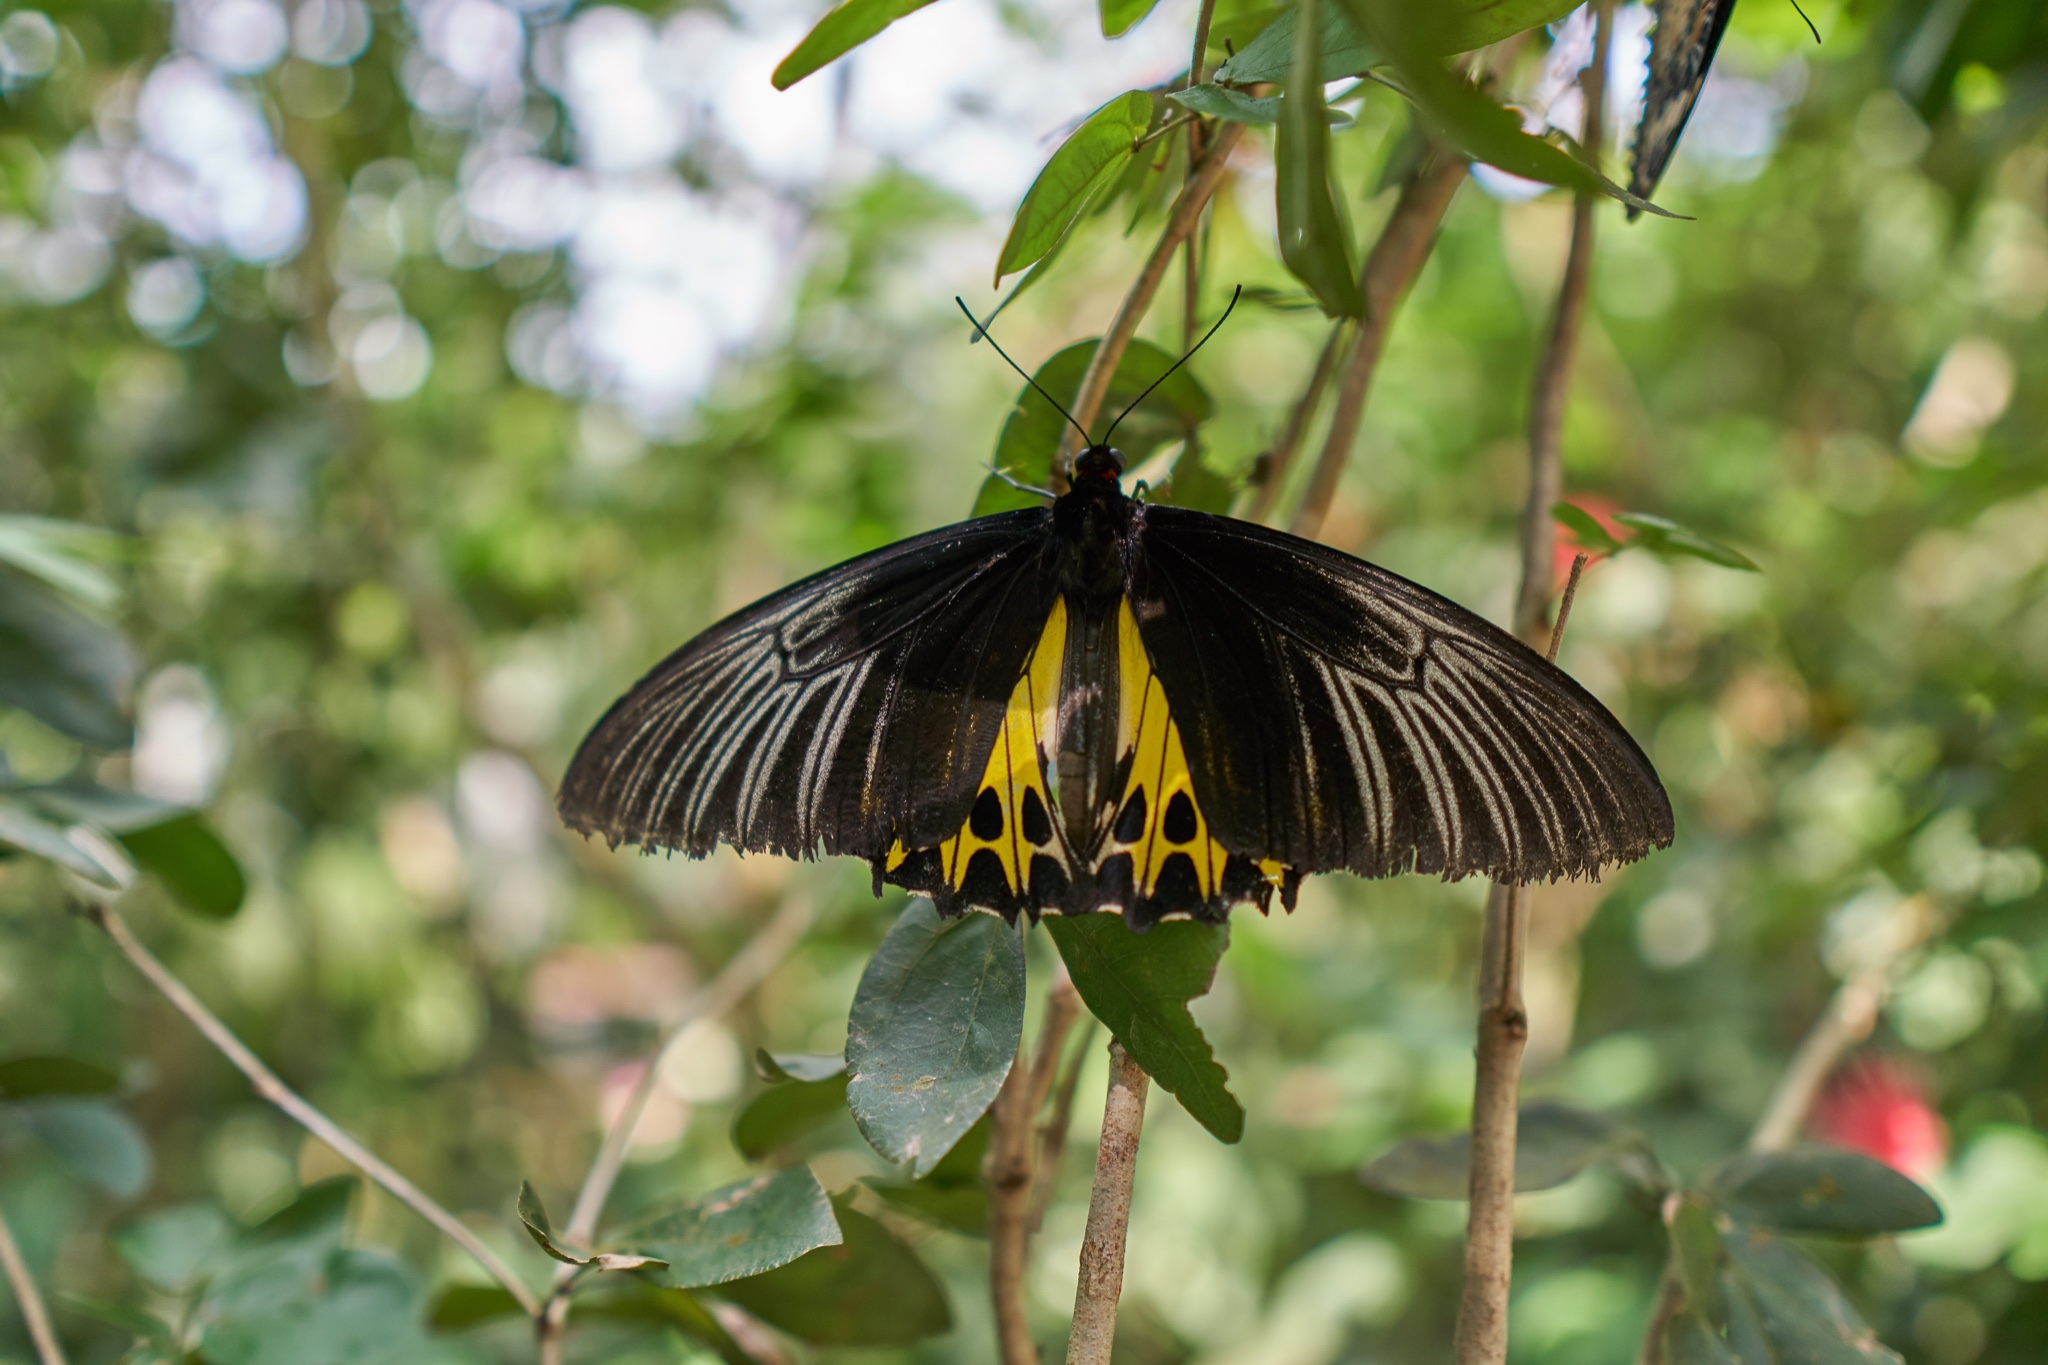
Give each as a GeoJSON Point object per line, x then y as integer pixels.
{"type": "Point", "coordinates": [1878, 1105]}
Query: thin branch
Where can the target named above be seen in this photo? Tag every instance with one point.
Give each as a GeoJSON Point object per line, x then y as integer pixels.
{"type": "Point", "coordinates": [1551, 387]}
{"type": "Point", "coordinates": [1396, 259]}
{"type": "Point", "coordinates": [748, 968]}
{"type": "Point", "coordinates": [1109, 1212]}
{"type": "Point", "coordinates": [1165, 129]}
{"type": "Point", "coordinates": [28, 1299]}
{"type": "Point", "coordinates": [1187, 211]}
{"type": "Point", "coordinates": [1009, 1169]}
{"type": "Point", "coordinates": [1052, 1134]}
{"type": "Point", "coordinates": [1280, 459]}
{"type": "Point", "coordinates": [297, 1108]}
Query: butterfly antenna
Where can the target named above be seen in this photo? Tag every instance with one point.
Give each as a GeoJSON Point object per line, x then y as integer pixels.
{"type": "Point", "coordinates": [982, 332]}
{"type": "Point", "coordinates": [1234, 295]}
{"type": "Point", "coordinates": [1809, 23]}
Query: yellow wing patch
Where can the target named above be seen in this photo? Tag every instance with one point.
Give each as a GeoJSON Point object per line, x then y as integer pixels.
{"type": "Point", "coordinates": [1015, 776]}
{"type": "Point", "coordinates": [1158, 816]}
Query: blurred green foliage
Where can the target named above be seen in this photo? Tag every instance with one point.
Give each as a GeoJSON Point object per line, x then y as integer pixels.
{"type": "Point", "coordinates": [372, 618]}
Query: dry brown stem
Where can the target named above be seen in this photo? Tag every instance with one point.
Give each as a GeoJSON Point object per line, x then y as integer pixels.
{"type": "Point", "coordinates": [1009, 1167]}
{"type": "Point", "coordinates": [1109, 1212]}
{"type": "Point", "coordinates": [298, 1109]}
{"type": "Point", "coordinates": [28, 1300]}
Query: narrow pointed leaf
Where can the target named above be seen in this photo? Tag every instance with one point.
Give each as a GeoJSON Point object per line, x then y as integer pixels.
{"type": "Point", "coordinates": [1269, 58]}
{"type": "Point", "coordinates": [64, 554]}
{"type": "Point", "coordinates": [62, 667]}
{"type": "Point", "coordinates": [1085, 165]}
{"type": "Point", "coordinates": [193, 864]}
{"type": "Point", "coordinates": [1661, 535]}
{"type": "Point", "coordinates": [1315, 241]}
{"type": "Point", "coordinates": [740, 1230]}
{"type": "Point", "coordinates": [1121, 16]}
{"type": "Point", "coordinates": [839, 33]}
{"type": "Point", "coordinates": [533, 1216]}
{"type": "Point", "coordinates": [933, 1031]}
{"type": "Point", "coordinates": [1821, 1190]}
{"type": "Point", "coordinates": [1139, 986]}
{"type": "Point", "coordinates": [1235, 106]}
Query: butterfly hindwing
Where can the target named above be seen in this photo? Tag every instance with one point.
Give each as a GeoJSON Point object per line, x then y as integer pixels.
{"type": "Point", "coordinates": [1682, 47]}
{"type": "Point", "coordinates": [838, 715]}
{"type": "Point", "coordinates": [1336, 715]}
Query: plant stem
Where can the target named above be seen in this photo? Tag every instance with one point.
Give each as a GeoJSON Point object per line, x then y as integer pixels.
{"type": "Point", "coordinates": [1180, 223]}
{"type": "Point", "coordinates": [1109, 1212]}
{"type": "Point", "coordinates": [1052, 1134]}
{"type": "Point", "coordinates": [1280, 459]}
{"type": "Point", "coordinates": [748, 968]}
{"type": "Point", "coordinates": [28, 1299]}
{"type": "Point", "coordinates": [1009, 1168]}
{"type": "Point", "coordinates": [1396, 259]}
{"type": "Point", "coordinates": [297, 1108]}
{"type": "Point", "coordinates": [1552, 384]}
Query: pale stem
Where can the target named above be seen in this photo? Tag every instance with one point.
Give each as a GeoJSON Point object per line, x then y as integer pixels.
{"type": "Point", "coordinates": [1052, 1134]}
{"type": "Point", "coordinates": [298, 1109]}
{"type": "Point", "coordinates": [1008, 1169]}
{"type": "Point", "coordinates": [28, 1299]}
{"type": "Point", "coordinates": [1109, 1213]}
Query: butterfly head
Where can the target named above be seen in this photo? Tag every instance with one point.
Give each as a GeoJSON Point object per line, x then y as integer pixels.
{"type": "Point", "coordinates": [1098, 462]}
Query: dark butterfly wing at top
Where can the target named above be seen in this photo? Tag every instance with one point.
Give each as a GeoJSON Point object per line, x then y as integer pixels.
{"type": "Point", "coordinates": [1682, 47]}
{"type": "Point", "coordinates": [1336, 715]}
{"type": "Point", "coordinates": [847, 711]}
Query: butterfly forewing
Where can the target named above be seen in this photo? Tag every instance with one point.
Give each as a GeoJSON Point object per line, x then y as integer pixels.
{"type": "Point", "coordinates": [1682, 47]}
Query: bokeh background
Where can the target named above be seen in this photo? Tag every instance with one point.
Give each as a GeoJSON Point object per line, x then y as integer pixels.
{"type": "Point", "coordinates": [442, 364]}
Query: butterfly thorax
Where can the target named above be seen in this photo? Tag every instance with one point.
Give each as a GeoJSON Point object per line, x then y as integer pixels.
{"type": "Point", "coordinates": [1090, 526]}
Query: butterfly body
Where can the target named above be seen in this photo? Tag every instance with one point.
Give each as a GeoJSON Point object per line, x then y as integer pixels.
{"type": "Point", "coordinates": [1106, 704]}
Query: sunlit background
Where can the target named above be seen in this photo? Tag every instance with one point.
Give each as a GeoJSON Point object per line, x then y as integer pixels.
{"type": "Point", "coordinates": [444, 364]}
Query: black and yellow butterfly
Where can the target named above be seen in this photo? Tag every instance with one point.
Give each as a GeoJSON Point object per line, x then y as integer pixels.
{"type": "Point", "coordinates": [1109, 704]}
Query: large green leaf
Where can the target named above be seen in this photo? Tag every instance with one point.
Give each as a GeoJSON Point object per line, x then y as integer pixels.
{"type": "Point", "coordinates": [62, 667]}
{"type": "Point", "coordinates": [97, 1140]}
{"type": "Point", "coordinates": [174, 1248]}
{"type": "Point", "coordinates": [838, 33]}
{"type": "Point", "coordinates": [356, 1307]}
{"type": "Point", "coordinates": [193, 864]}
{"type": "Point", "coordinates": [1803, 1315]}
{"type": "Point", "coordinates": [803, 1095]}
{"type": "Point", "coordinates": [1315, 241]}
{"type": "Point", "coordinates": [742, 1229]}
{"type": "Point", "coordinates": [1085, 165]}
{"type": "Point", "coordinates": [1121, 16]}
{"type": "Point", "coordinates": [1820, 1190]}
{"type": "Point", "coordinates": [934, 1030]}
{"type": "Point", "coordinates": [1139, 986]}
{"type": "Point", "coordinates": [1553, 1143]}
{"type": "Point", "coordinates": [1467, 116]}
{"type": "Point", "coordinates": [1030, 439]}
{"type": "Point", "coordinates": [870, 1290]}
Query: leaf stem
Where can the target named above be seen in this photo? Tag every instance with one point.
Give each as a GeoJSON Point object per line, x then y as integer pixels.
{"type": "Point", "coordinates": [28, 1299]}
{"type": "Point", "coordinates": [1109, 1212]}
{"type": "Point", "coordinates": [1397, 258]}
{"type": "Point", "coordinates": [1165, 129]}
{"type": "Point", "coordinates": [746, 970]}
{"type": "Point", "coordinates": [1009, 1169]}
{"type": "Point", "coordinates": [297, 1108]}
{"type": "Point", "coordinates": [1187, 212]}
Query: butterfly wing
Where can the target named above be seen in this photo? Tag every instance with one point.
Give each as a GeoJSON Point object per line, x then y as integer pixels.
{"type": "Point", "coordinates": [1682, 47]}
{"type": "Point", "coordinates": [1336, 715]}
{"type": "Point", "coordinates": [847, 711]}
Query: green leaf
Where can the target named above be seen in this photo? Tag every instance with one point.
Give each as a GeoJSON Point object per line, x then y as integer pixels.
{"type": "Point", "coordinates": [1553, 1143]}
{"type": "Point", "coordinates": [1083, 167]}
{"type": "Point", "coordinates": [1820, 1190]}
{"type": "Point", "coordinates": [23, 828]}
{"type": "Point", "coordinates": [346, 1308]}
{"type": "Point", "coordinates": [1120, 16]}
{"type": "Point", "coordinates": [963, 1208]}
{"type": "Point", "coordinates": [789, 1109]}
{"type": "Point", "coordinates": [193, 864]}
{"type": "Point", "coordinates": [154, 1341]}
{"type": "Point", "coordinates": [1467, 25]}
{"type": "Point", "coordinates": [315, 1219]}
{"type": "Point", "coordinates": [1582, 524]}
{"type": "Point", "coordinates": [1030, 439]}
{"type": "Point", "coordinates": [1465, 115]}
{"type": "Point", "coordinates": [1662, 536]}
{"type": "Point", "coordinates": [1315, 241]}
{"type": "Point", "coordinates": [869, 1290]}
{"type": "Point", "coordinates": [64, 554]}
{"type": "Point", "coordinates": [1800, 1312]}
{"type": "Point", "coordinates": [109, 808]}
{"type": "Point", "coordinates": [459, 1307]}
{"type": "Point", "coordinates": [1696, 1251]}
{"type": "Point", "coordinates": [24, 1078]}
{"type": "Point", "coordinates": [797, 1066]}
{"type": "Point", "coordinates": [1689, 1341]}
{"type": "Point", "coordinates": [1139, 986]}
{"type": "Point", "coordinates": [838, 33]}
{"type": "Point", "coordinates": [1234, 106]}
{"type": "Point", "coordinates": [95, 1139]}
{"type": "Point", "coordinates": [742, 1229]}
{"type": "Point", "coordinates": [677, 1308]}
{"type": "Point", "coordinates": [62, 667]}
{"type": "Point", "coordinates": [173, 1249]}
{"type": "Point", "coordinates": [1269, 58]}
{"type": "Point", "coordinates": [533, 1216]}
{"type": "Point", "coordinates": [934, 1030]}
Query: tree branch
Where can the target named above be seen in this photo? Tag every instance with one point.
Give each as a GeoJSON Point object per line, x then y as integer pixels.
{"type": "Point", "coordinates": [747, 969]}
{"type": "Point", "coordinates": [28, 1299]}
{"type": "Point", "coordinates": [1180, 223]}
{"type": "Point", "coordinates": [1009, 1168]}
{"type": "Point", "coordinates": [297, 1108]}
{"type": "Point", "coordinates": [1396, 259]}
{"type": "Point", "coordinates": [1109, 1212]}
{"type": "Point", "coordinates": [1052, 1134]}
